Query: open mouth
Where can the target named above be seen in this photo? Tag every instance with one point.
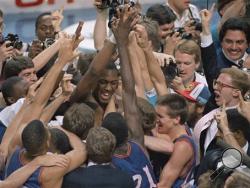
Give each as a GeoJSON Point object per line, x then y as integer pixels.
{"type": "Point", "coordinates": [217, 97]}
{"type": "Point", "coordinates": [105, 96]}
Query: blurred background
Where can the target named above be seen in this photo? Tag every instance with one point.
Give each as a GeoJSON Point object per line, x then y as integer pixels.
{"type": "Point", "coordinates": [20, 15]}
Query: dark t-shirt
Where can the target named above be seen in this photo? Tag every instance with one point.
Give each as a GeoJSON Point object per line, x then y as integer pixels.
{"type": "Point", "coordinates": [97, 176]}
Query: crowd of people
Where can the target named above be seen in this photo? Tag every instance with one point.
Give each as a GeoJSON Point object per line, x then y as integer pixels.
{"type": "Point", "coordinates": [157, 104]}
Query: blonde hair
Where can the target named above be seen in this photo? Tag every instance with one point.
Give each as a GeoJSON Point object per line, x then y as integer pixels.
{"type": "Point", "coordinates": [189, 47]}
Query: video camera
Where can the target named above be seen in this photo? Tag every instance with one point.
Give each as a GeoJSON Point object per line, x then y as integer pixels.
{"type": "Point", "coordinates": [14, 41]}
{"type": "Point", "coordinates": [47, 42]}
{"type": "Point", "coordinates": [170, 71]}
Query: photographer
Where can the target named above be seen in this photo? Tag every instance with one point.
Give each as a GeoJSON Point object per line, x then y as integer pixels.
{"type": "Point", "coordinates": [165, 18]}
{"type": "Point", "coordinates": [5, 50]}
{"type": "Point", "coordinates": [188, 58]}
{"type": "Point", "coordinates": [184, 12]}
{"type": "Point", "coordinates": [47, 27]}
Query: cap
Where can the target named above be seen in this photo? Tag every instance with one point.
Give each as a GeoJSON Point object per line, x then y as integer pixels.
{"type": "Point", "coordinates": [196, 92]}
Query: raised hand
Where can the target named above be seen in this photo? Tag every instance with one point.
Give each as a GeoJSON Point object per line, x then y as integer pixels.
{"type": "Point", "coordinates": [221, 118]}
{"type": "Point", "coordinates": [206, 16]}
{"type": "Point", "coordinates": [67, 87]}
{"type": "Point", "coordinates": [33, 90]}
{"type": "Point", "coordinates": [67, 51]}
{"type": "Point", "coordinates": [57, 18]}
{"type": "Point", "coordinates": [142, 37]}
{"type": "Point", "coordinates": [171, 42]}
{"type": "Point", "coordinates": [126, 19]}
{"type": "Point", "coordinates": [244, 107]}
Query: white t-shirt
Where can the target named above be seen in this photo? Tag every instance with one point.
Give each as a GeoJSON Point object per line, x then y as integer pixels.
{"type": "Point", "coordinates": [181, 20]}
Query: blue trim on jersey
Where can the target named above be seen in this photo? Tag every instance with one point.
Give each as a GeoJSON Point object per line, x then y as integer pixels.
{"type": "Point", "coordinates": [189, 175]}
{"type": "Point", "coordinates": [15, 163]}
{"type": "Point", "coordinates": [135, 163]}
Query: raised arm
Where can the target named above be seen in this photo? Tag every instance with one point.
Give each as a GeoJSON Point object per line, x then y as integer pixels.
{"type": "Point", "coordinates": [66, 54]}
{"type": "Point", "coordinates": [42, 58]}
{"type": "Point", "coordinates": [100, 30]}
{"type": "Point", "coordinates": [51, 108]}
{"type": "Point", "coordinates": [91, 77]}
{"type": "Point", "coordinates": [154, 69]}
{"type": "Point", "coordinates": [208, 51]}
{"type": "Point", "coordinates": [134, 60]}
{"type": "Point", "coordinates": [121, 28]}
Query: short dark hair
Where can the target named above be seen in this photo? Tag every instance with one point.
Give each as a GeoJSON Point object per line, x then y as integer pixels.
{"type": "Point", "coordinates": [8, 87]}
{"type": "Point", "coordinates": [59, 141]}
{"type": "Point", "coordinates": [34, 138]}
{"type": "Point", "coordinates": [78, 119]}
{"type": "Point", "coordinates": [235, 24]}
{"type": "Point", "coordinates": [39, 17]}
{"type": "Point", "coordinates": [100, 145]}
{"type": "Point", "coordinates": [117, 125]}
{"type": "Point", "coordinates": [238, 122]}
{"type": "Point", "coordinates": [16, 65]}
{"type": "Point", "coordinates": [161, 13]}
{"type": "Point", "coordinates": [177, 105]}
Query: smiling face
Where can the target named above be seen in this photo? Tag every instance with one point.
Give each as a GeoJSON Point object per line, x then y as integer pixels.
{"type": "Point", "coordinates": [234, 44]}
{"type": "Point", "coordinates": [186, 65]}
{"type": "Point", "coordinates": [106, 87]}
{"type": "Point", "coordinates": [164, 122]}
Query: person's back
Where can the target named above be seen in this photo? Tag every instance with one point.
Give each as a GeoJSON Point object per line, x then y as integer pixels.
{"type": "Point", "coordinates": [16, 162]}
{"type": "Point", "coordinates": [100, 172]}
{"type": "Point", "coordinates": [104, 176]}
{"type": "Point", "coordinates": [136, 164]}
{"type": "Point", "coordinates": [129, 156]}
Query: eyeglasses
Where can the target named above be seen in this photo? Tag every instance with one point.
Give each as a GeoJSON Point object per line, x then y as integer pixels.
{"type": "Point", "coordinates": [220, 85]}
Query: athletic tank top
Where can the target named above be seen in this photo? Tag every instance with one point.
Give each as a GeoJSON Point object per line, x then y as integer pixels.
{"type": "Point", "coordinates": [15, 163]}
{"type": "Point", "coordinates": [136, 164]}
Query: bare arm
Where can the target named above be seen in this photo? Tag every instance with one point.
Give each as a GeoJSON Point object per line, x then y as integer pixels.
{"type": "Point", "coordinates": [237, 9]}
{"type": "Point", "coordinates": [158, 144]}
{"type": "Point", "coordinates": [91, 77]}
{"type": "Point", "coordinates": [42, 58]}
{"type": "Point", "coordinates": [135, 64]}
{"type": "Point", "coordinates": [20, 176]}
{"type": "Point", "coordinates": [100, 30]}
{"type": "Point", "coordinates": [154, 69]}
{"type": "Point", "coordinates": [50, 109]}
{"type": "Point", "coordinates": [121, 29]}
{"type": "Point", "coordinates": [172, 170]}
{"type": "Point", "coordinates": [76, 157]}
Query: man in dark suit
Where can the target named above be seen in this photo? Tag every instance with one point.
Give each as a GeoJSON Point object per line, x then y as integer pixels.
{"type": "Point", "coordinates": [234, 38]}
